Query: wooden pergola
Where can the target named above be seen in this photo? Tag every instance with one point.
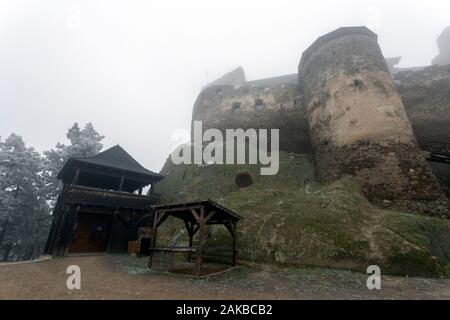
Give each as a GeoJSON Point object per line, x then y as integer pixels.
{"type": "Point", "coordinates": [196, 216]}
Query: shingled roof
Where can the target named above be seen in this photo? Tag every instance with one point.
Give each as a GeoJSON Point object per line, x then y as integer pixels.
{"type": "Point", "coordinates": [116, 158]}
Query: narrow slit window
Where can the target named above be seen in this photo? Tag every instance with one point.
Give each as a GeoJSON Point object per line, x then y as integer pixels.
{"type": "Point", "coordinates": [236, 106]}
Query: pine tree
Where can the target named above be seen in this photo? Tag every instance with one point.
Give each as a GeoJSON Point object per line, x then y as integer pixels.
{"type": "Point", "coordinates": [28, 186]}
{"type": "Point", "coordinates": [83, 143]}
{"type": "Point", "coordinates": [24, 212]}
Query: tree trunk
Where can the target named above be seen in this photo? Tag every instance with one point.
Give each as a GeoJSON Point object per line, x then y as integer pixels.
{"type": "Point", "coordinates": [36, 252]}
{"type": "Point", "coordinates": [6, 253]}
{"type": "Point", "coordinates": [28, 252]}
{"type": "Point", "coordinates": [3, 234]}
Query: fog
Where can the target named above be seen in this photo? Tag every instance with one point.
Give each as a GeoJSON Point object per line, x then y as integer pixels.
{"type": "Point", "coordinates": [135, 68]}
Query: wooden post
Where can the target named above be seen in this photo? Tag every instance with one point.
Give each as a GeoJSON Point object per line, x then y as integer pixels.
{"type": "Point", "coordinates": [60, 231]}
{"type": "Point", "coordinates": [49, 247]}
{"type": "Point", "coordinates": [122, 180]}
{"type": "Point", "coordinates": [50, 237]}
{"type": "Point", "coordinates": [190, 230]}
{"type": "Point", "coordinates": [54, 238]}
{"type": "Point", "coordinates": [72, 230]}
{"type": "Point", "coordinates": [153, 242]}
{"type": "Point", "coordinates": [200, 241]}
{"type": "Point", "coordinates": [152, 188]}
{"type": "Point", "coordinates": [111, 230]}
{"type": "Point", "coordinates": [156, 223]}
{"type": "Point", "coordinates": [233, 225]}
{"type": "Point", "coordinates": [76, 176]}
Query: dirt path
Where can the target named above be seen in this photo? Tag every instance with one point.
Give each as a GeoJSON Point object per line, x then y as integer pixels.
{"type": "Point", "coordinates": [124, 277]}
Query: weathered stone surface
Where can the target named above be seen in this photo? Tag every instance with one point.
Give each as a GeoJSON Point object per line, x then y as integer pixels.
{"type": "Point", "coordinates": [442, 173]}
{"type": "Point", "coordinates": [426, 96]}
{"type": "Point", "coordinates": [291, 219]}
{"type": "Point", "coordinates": [264, 105]}
{"type": "Point", "coordinates": [232, 78]}
{"type": "Point", "coordinates": [358, 123]}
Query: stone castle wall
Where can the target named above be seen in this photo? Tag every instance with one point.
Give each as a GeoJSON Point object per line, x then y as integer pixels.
{"type": "Point", "coordinates": [426, 96]}
{"type": "Point", "coordinates": [358, 123]}
{"type": "Point", "coordinates": [346, 107]}
{"type": "Point", "coordinates": [260, 105]}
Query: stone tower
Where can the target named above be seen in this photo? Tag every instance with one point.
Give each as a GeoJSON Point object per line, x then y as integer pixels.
{"type": "Point", "coordinates": [358, 124]}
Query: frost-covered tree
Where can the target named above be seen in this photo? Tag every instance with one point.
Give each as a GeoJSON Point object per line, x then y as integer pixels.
{"type": "Point", "coordinates": [83, 143]}
{"type": "Point", "coordinates": [28, 188]}
{"type": "Point", "coordinates": [24, 211]}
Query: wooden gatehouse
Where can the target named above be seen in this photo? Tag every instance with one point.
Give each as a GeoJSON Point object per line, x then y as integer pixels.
{"type": "Point", "coordinates": [102, 205]}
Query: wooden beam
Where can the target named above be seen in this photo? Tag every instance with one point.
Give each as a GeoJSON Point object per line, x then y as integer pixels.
{"type": "Point", "coordinates": [188, 227]}
{"type": "Point", "coordinates": [101, 209]}
{"type": "Point", "coordinates": [116, 174]}
{"type": "Point", "coordinates": [122, 180]}
{"type": "Point", "coordinates": [163, 215]}
{"type": "Point", "coordinates": [194, 213]}
{"type": "Point", "coordinates": [209, 216]}
{"type": "Point", "coordinates": [195, 229]}
{"type": "Point", "coordinates": [229, 228]}
{"type": "Point", "coordinates": [178, 208]}
{"type": "Point", "coordinates": [76, 176]}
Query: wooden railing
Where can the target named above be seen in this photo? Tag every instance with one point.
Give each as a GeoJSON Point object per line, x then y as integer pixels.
{"type": "Point", "coordinates": [76, 194]}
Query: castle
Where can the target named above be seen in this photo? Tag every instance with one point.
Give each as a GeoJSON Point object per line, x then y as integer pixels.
{"type": "Point", "coordinates": [356, 113]}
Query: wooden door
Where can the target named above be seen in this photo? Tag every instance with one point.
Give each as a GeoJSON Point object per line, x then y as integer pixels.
{"type": "Point", "coordinates": [91, 233]}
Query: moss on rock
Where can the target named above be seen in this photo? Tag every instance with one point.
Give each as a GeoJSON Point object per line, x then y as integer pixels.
{"type": "Point", "coordinates": [289, 218]}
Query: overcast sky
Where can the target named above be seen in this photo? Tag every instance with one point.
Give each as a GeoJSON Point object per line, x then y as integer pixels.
{"type": "Point", "coordinates": [135, 68]}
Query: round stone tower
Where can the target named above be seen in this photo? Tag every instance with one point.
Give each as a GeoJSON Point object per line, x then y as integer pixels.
{"type": "Point", "coordinates": [358, 124]}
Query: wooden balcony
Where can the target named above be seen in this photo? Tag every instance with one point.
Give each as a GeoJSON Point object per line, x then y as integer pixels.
{"type": "Point", "coordinates": [81, 195]}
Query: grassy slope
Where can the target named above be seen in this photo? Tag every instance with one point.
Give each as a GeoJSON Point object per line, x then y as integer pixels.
{"type": "Point", "coordinates": [291, 219]}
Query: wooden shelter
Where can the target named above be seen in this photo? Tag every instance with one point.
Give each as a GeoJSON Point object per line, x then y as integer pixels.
{"type": "Point", "coordinates": [102, 204]}
{"type": "Point", "coordinates": [196, 216]}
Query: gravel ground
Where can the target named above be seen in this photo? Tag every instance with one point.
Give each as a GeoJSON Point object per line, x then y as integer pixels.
{"type": "Point", "coordinates": [125, 277]}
